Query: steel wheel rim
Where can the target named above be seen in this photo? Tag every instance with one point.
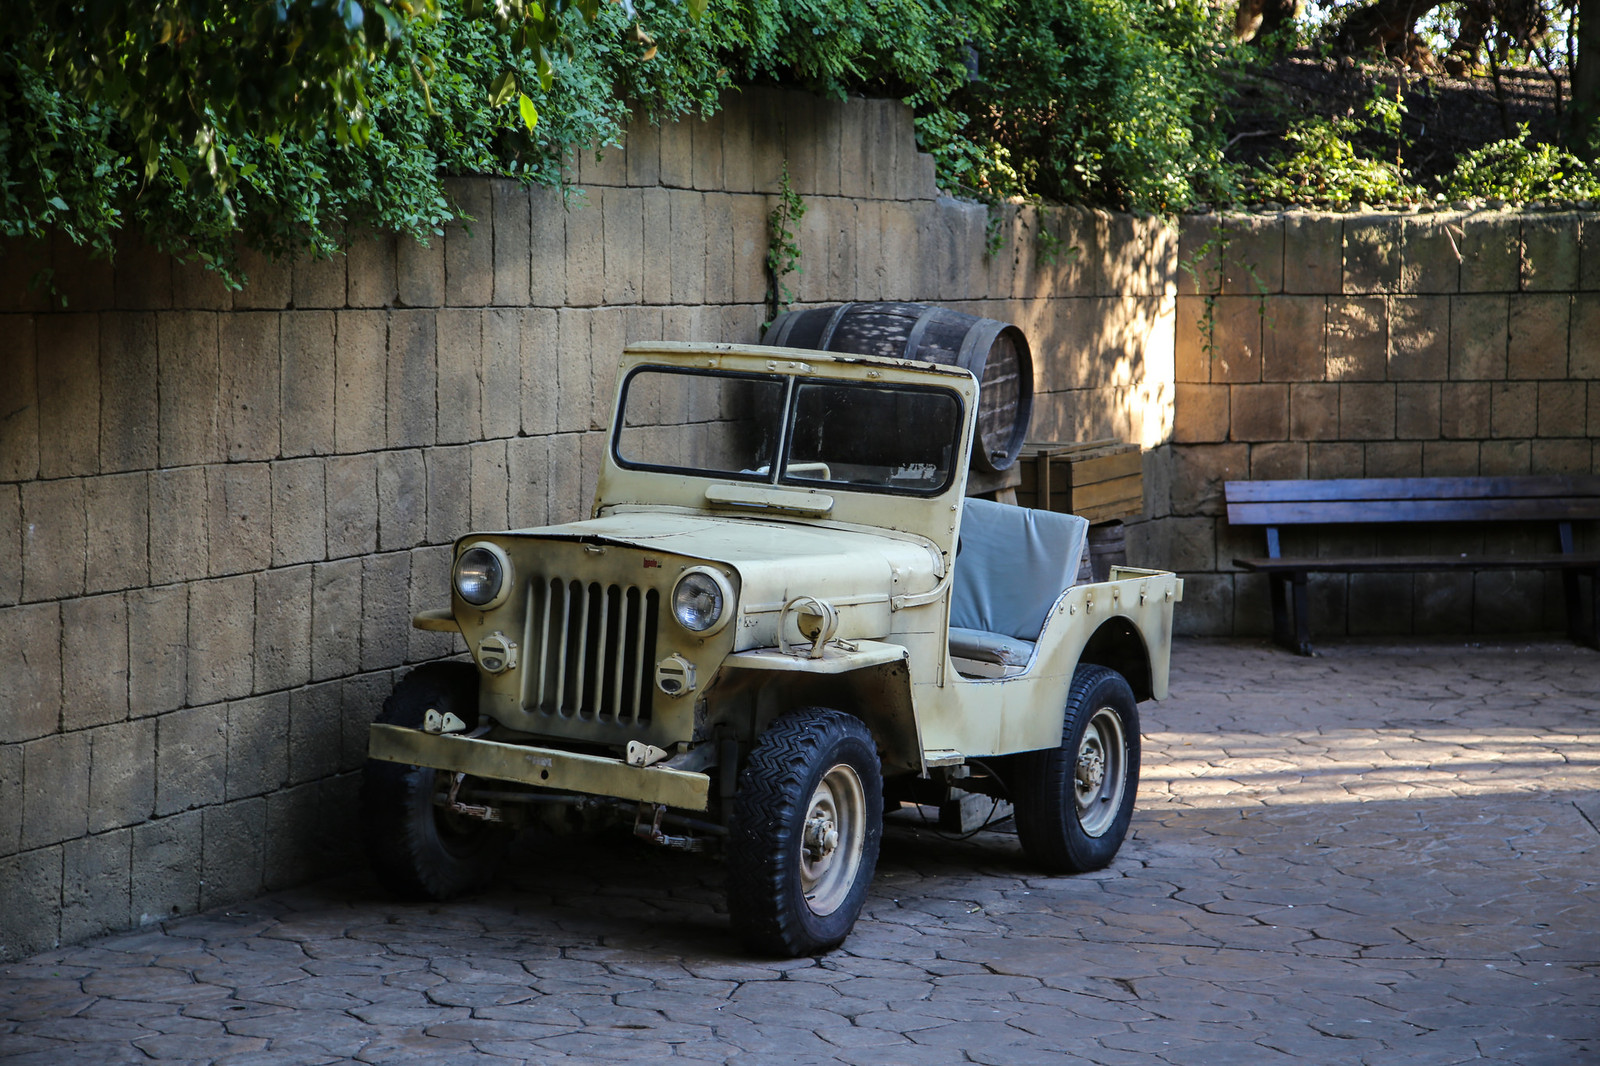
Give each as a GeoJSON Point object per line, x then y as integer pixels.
{"type": "Point", "coordinates": [831, 838]}
{"type": "Point", "coordinates": [1100, 772]}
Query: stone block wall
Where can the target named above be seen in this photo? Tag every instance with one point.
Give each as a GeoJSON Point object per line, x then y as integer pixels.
{"type": "Point", "coordinates": [1378, 346]}
{"type": "Point", "coordinates": [218, 510]}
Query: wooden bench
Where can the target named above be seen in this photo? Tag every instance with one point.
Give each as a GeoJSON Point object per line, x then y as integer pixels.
{"type": "Point", "coordinates": [1560, 500]}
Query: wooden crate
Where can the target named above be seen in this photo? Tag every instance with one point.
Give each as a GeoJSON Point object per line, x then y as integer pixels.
{"type": "Point", "coordinates": [1102, 480]}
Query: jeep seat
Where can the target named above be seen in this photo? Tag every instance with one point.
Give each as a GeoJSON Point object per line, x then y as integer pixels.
{"type": "Point", "coordinates": [1012, 565]}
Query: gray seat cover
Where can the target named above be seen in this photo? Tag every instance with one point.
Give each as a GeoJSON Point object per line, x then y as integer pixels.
{"type": "Point", "coordinates": [1013, 564]}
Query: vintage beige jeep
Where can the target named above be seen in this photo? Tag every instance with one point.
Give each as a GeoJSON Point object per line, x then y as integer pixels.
{"type": "Point", "coordinates": [783, 615]}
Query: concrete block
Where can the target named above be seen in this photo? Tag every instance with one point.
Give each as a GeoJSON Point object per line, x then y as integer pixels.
{"type": "Point", "coordinates": [53, 539]}
{"type": "Point", "coordinates": [1192, 340]}
{"type": "Point", "coordinates": [1491, 253]}
{"type": "Point", "coordinates": [10, 545]}
{"type": "Point", "coordinates": [128, 424]}
{"type": "Point", "coordinates": [335, 619]}
{"type": "Point", "coordinates": [233, 852]}
{"type": "Point", "coordinates": [1335, 459]}
{"type": "Point", "coordinates": [1537, 344]}
{"type": "Point", "coordinates": [402, 500]}
{"type": "Point", "coordinates": [352, 485]}
{"type": "Point", "coordinates": [1252, 254]}
{"type": "Point", "coordinates": [512, 245]}
{"type": "Point", "coordinates": [188, 344]}
{"type": "Point", "coordinates": [1505, 458]}
{"type": "Point", "coordinates": [767, 116]}
{"type": "Point", "coordinates": [239, 517]}
{"type": "Point", "coordinates": [1258, 412]}
{"type": "Point", "coordinates": [449, 493]}
{"type": "Point", "coordinates": [1199, 254]}
{"type": "Point", "coordinates": [1464, 410]}
{"type": "Point", "coordinates": [430, 589]}
{"type": "Point", "coordinates": [719, 249]}
{"type": "Point", "coordinates": [283, 628]}
{"type": "Point", "coordinates": [501, 373]}
{"type": "Point", "coordinates": [248, 389]}
{"type": "Point", "coordinates": [258, 745]}
{"type": "Point", "coordinates": [1366, 411]}
{"type": "Point", "coordinates": [267, 282]}
{"type": "Point", "coordinates": [565, 478]}
{"type": "Point", "coordinates": [83, 276]}
{"type": "Point", "coordinates": [143, 276]}
{"type": "Point", "coordinates": [19, 422]}
{"type": "Point", "coordinates": [95, 885]}
{"type": "Point", "coordinates": [748, 226]}
{"type": "Point", "coordinates": [607, 335]}
{"type": "Point", "coordinates": [800, 148]}
{"type": "Point", "coordinates": [527, 473]}
{"type": "Point", "coordinates": [293, 820]}
{"type": "Point", "coordinates": [851, 117]}
{"type": "Point", "coordinates": [606, 164]}
{"type": "Point", "coordinates": [540, 354]}
{"type": "Point", "coordinates": [1430, 255]}
{"type": "Point", "coordinates": [737, 154]}
{"type": "Point", "coordinates": [574, 371]}
{"type": "Point", "coordinates": [1278, 460]}
{"type": "Point", "coordinates": [30, 902]}
{"type": "Point", "coordinates": [585, 262]}
{"type": "Point", "coordinates": [310, 384]}
{"type": "Point", "coordinates": [1561, 409]}
{"type": "Point", "coordinates": [1583, 359]}
{"type": "Point", "coordinates": [411, 378]}
{"type": "Point", "coordinates": [676, 145]}
{"type": "Point", "coordinates": [1293, 342]}
{"type": "Point", "coordinates": [361, 366]}
{"type": "Point", "coordinates": [116, 511]}
{"type": "Point", "coordinates": [872, 271]}
{"type": "Point", "coordinates": [1314, 412]}
{"type": "Point", "coordinates": [1561, 457]}
{"type": "Point", "coordinates": [1191, 544]}
{"type": "Point", "coordinates": [386, 615]}
{"type": "Point", "coordinates": [1357, 339]}
{"type": "Point", "coordinates": [547, 282]}
{"type": "Point", "coordinates": [68, 394]}
{"type": "Point", "coordinates": [1198, 472]}
{"type": "Point", "coordinates": [420, 272]}
{"type": "Point", "coordinates": [314, 732]}
{"type": "Point", "coordinates": [1393, 458]}
{"type": "Point", "coordinates": [318, 282]}
{"type": "Point", "coordinates": [1416, 411]}
{"type": "Point", "coordinates": [705, 152]}
{"type": "Point", "coordinates": [489, 485]}
{"type": "Point", "coordinates": [1550, 252]}
{"type": "Point", "coordinates": [1207, 606]}
{"type": "Point", "coordinates": [195, 287]}
{"type": "Point", "coordinates": [1419, 338]}
{"type": "Point", "coordinates": [659, 249]}
{"type": "Point", "coordinates": [688, 259]}
{"type": "Point", "coordinates": [593, 452]}
{"type": "Point", "coordinates": [469, 244]}
{"type": "Point", "coordinates": [1514, 408]}
{"type": "Point", "coordinates": [1478, 337]}
{"type": "Point", "coordinates": [1236, 339]}
{"type": "Point", "coordinates": [1450, 458]}
{"type": "Point", "coordinates": [94, 661]}
{"type": "Point", "coordinates": [166, 868]}
{"type": "Point", "coordinates": [55, 795]}
{"type": "Point", "coordinates": [158, 649]}
{"type": "Point", "coordinates": [122, 774]}
{"type": "Point", "coordinates": [299, 511]}
{"type": "Point", "coordinates": [30, 686]}
{"type": "Point", "coordinates": [622, 225]}
{"type": "Point", "coordinates": [1594, 408]}
{"type": "Point", "coordinates": [221, 638]}
{"type": "Point", "coordinates": [370, 271]}
{"type": "Point", "coordinates": [644, 152]}
{"type": "Point", "coordinates": [178, 504]}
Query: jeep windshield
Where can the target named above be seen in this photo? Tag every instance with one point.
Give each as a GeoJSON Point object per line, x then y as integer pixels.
{"type": "Point", "coordinates": [782, 430]}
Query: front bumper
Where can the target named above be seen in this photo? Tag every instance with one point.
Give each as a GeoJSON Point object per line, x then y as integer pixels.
{"type": "Point", "coordinates": [552, 768]}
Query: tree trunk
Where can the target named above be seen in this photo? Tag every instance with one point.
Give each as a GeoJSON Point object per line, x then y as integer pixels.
{"type": "Point", "coordinates": [1387, 25]}
{"type": "Point", "coordinates": [1585, 111]}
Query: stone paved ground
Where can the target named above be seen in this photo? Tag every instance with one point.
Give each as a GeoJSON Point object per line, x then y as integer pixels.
{"type": "Point", "coordinates": [1380, 856]}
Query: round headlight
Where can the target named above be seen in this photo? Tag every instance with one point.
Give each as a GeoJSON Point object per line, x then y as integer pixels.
{"type": "Point", "coordinates": [700, 601]}
{"type": "Point", "coordinates": [480, 575]}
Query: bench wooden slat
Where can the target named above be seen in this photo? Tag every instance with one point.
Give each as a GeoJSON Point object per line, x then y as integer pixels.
{"type": "Point", "coordinates": [1330, 511]}
{"type": "Point", "coordinates": [1414, 488]}
{"type": "Point", "coordinates": [1411, 563]}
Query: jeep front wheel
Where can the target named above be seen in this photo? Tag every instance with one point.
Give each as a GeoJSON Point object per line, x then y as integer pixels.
{"type": "Point", "coordinates": [418, 849]}
{"type": "Point", "coordinates": [803, 844]}
{"type": "Point", "coordinates": [1074, 802]}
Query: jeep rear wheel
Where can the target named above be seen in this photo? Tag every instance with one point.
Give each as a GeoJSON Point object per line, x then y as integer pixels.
{"type": "Point", "coordinates": [1074, 802]}
{"type": "Point", "coordinates": [418, 849]}
{"type": "Point", "coordinates": [803, 844]}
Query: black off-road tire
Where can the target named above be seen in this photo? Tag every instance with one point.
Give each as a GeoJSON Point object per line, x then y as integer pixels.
{"type": "Point", "coordinates": [418, 850]}
{"type": "Point", "coordinates": [789, 892]}
{"type": "Point", "coordinates": [1060, 832]}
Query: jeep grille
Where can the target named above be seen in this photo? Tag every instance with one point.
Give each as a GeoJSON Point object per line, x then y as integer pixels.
{"type": "Point", "coordinates": [591, 648]}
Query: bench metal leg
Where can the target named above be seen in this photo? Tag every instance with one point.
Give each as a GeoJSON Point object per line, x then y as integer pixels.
{"type": "Point", "coordinates": [1278, 589]}
{"type": "Point", "coordinates": [1289, 599]}
{"type": "Point", "coordinates": [1302, 617]}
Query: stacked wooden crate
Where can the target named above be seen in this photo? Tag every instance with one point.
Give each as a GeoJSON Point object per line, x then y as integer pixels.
{"type": "Point", "coordinates": [1102, 480]}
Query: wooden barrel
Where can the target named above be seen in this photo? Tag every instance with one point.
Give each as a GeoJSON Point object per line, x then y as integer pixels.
{"type": "Point", "coordinates": [1108, 547]}
{"type": "Point", "coordinates": [995, 352]}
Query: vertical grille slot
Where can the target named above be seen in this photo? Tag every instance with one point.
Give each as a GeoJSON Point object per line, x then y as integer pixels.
{"type": "Point", "coordinates": [591, 647]}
